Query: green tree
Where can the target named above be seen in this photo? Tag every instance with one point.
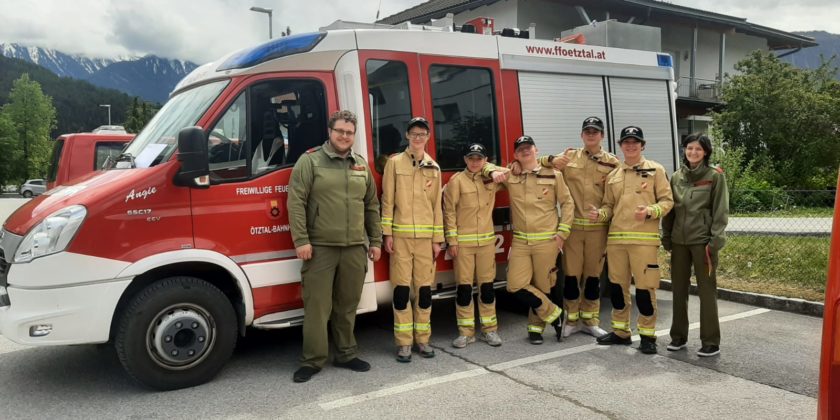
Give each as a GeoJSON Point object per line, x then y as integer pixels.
{"type": "Point", "coordinates": [132, 120]}
{"type": "Point", "coordinates": [139, 115]}
{"type": "Point", "coordinates": [790, 117]}
{"type": "Point", "coordinates": [32, 116]}
{"type": "Point", "coordinates": [10, 153]}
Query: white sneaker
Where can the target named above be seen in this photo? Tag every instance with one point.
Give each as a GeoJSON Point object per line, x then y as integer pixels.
{"type": "Point", "coordinates": [492, 338]}
{"type": "Point", "coordinates": [462, 341]}
{"type": "Point", "coordinates": [594, 330]}
{"type": "Point", "coordinates": [570, 329]}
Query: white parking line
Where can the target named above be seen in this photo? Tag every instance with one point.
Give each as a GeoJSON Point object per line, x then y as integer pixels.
{"type": "Point", "coordinates": [343, 402]}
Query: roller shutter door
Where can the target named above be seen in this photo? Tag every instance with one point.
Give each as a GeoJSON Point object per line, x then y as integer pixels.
{"type": "Point", "coordinates": [645, 103]}
{"type": "Point", "coordinates": [554, 105]}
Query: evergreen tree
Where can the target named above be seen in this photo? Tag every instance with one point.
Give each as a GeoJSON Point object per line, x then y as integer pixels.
{"type": "Point", "coordinates": [132, 121]}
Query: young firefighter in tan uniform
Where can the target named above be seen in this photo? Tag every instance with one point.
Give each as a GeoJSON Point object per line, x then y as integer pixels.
{"type": "Point", "coordinates": [412, 223]}
{"type": "Point", "coordinates": [638, 195]}
{"type": "Point", "coordinates": [468, 201]}
{"type": "Point", "coordinates": [585, 170]}
{"type": "Point", "coordinates": [538, 235]}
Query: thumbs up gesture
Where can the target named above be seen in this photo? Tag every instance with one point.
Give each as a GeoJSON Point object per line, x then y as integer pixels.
{"type": "Point", "coordinates": [594, 214]}
{"type": "Point", "coordinates": [641, 213]}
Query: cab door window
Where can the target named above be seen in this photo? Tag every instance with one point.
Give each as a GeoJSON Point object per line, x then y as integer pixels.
{"type": "Point", "coordinates": [106, 152]}
{"type": "Point", "coordinates": [463, 105]}
{"type": "Point", "coordinates": [390, 107]}
{"type": "Point", "coordinates": [269, 126]}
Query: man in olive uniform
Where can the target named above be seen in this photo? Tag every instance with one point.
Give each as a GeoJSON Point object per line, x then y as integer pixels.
{"type": "Point", "coordinates": [637, 196]}
{"type": "Point", "coordinates": [332, 190]}
{"type": "Point", "coordinates": [539, 233]}
{"type": "Point", "coordinates": [468, 202]}
{"type": "Point", "coordinates": [412, 222]}
{"type": "Point", "coordinates": [585, 171]}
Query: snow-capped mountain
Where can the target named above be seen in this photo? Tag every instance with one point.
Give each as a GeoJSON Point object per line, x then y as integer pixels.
{"type": "Point", "coordinates": [65, 65]}
{"type": "Point", "coordinates": [149, 77]}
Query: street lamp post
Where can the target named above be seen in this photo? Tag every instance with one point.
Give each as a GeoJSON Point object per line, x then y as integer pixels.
{"type": "Point", "coordinates": [267, 11]}
{"type": "Point", "coordinates": [109, 112]}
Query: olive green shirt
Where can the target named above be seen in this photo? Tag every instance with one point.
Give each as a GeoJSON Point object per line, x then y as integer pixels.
{"type": "Point", "coordinates": [332, 200]}
{"type": "Point", "coordinates": [701, 208]}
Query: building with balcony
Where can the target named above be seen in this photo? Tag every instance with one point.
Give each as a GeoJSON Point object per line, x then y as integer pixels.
{"type": "Point", "coordinates": [705, 46]}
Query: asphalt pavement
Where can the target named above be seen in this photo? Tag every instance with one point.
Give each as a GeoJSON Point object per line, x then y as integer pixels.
{"type": "Point", "coordinates": [768, 369]}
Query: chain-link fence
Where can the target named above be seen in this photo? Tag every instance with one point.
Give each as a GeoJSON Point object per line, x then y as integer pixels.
{"type": "Point", "coordinates": [777, 242]}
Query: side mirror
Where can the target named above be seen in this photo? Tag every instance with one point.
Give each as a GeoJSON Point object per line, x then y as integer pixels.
{"type": "Point", "coordinates": [192, 153]}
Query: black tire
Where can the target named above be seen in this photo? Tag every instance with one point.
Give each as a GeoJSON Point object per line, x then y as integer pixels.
{"type": "Point", "coordinates": [170, 309]}
{"type": "Point", "coordinates": [27, 194]}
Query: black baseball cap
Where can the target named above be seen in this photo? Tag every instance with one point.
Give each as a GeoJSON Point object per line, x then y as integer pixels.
{"type": "Point", "coordinates": [593, 122]}
{"type": "Point", "coordinates": [523, 140]}
{"type": "Point", "coordinates": [631, 131]}
{"type": "Point", "coordinates": [417, 121]}
{"type": "Point", "coordinates": [476, 149]}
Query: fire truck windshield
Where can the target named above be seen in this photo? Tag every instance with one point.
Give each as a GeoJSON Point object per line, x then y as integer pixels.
{"type": "Point", "coordinates": [159, 139]}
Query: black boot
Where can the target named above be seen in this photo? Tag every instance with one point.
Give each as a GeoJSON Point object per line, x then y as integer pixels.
{"type": "Point", "coordinates": [611, 339]}
{"type": "Point", "coordinates": [648, 345]}
{"type": "Point", "coordinates": [558, 326]}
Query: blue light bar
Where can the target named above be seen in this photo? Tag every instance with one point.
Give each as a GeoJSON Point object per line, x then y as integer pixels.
{"type": "Point", "coordinates": [276, 48]}
{"type": "Point", "coordinates": [664, 60]}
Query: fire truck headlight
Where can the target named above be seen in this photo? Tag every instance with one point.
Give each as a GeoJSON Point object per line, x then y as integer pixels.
{"type": "Point", "coordinates": [52, 235]}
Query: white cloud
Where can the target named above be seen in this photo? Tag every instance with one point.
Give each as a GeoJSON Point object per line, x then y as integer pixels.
{"type": "Point", "coordinates": [203, 30]}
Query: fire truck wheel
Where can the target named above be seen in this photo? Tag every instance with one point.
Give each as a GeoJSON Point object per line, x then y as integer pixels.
{"type": "Point", "coordinates": [177, 332]}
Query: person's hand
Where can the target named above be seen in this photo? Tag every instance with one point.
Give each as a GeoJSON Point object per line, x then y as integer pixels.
{"type": "Point", "coordinates": [304, 252]}
{"type": "Point", "coordinates": [666, 244]}
{"type": "Point", "coordinates": [560, 162]}
{"type": "Point", "coordinates": [641, 213]}
{"type": "Point", "coordinates": [435, 250]}
{"type": "Point", "coordinates": [594, 214]}
{"type": "Point", "coordinates": [560, 242]}
{"type": "Point", "coordinates": [452, 250]}
{"type": "Point", "coordinates": [515, 167]}
{"type": "Point", "coordinates": [389, 244]}
{"type": "Point", "coordinates": [499, 176]}
{"type": "Point", "coordinates": [375, 253]}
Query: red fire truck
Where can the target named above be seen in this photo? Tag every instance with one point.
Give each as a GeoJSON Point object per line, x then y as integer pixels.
{"type": "Point", "coordinates": [829, 395]}
{"type": "Point", "coordinates": [185, 243]}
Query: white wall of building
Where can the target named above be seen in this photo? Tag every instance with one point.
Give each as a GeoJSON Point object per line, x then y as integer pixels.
{"type": "Point", "coordinates": [676, 40]}
{"type": "Point", "coordinates": [551, 18]}
{"type": "Point", "coordinates": [502, 12]}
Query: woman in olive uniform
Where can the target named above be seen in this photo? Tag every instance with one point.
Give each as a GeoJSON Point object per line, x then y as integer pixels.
{"type": "Point", "coordinates": [694, 233]}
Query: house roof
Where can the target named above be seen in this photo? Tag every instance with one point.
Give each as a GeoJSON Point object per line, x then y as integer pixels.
{"type": "Point", "coordinates": [776, 39]}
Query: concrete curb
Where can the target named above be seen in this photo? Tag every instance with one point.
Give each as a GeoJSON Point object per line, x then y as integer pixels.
{"type": "Point", "coordinates": [799, 306]}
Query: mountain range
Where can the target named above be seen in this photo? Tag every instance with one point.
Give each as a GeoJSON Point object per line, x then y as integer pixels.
{"type": "Point", "coordinates": [149, 77]}
{"type": "Point", "coordinates": [809, 58]}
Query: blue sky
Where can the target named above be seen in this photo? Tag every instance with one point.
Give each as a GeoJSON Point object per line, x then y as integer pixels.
{"type": "Point", "coordinates": [203, 30]}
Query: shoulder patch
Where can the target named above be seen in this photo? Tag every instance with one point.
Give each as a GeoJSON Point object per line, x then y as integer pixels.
{"type": "Point", "coordinates": [314, 149]}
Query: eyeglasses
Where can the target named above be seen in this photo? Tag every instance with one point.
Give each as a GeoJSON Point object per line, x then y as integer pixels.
{"type": "Point", "coordinates": [418, 135]}
{"type": "Point", "coordinates": [344, 132]}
